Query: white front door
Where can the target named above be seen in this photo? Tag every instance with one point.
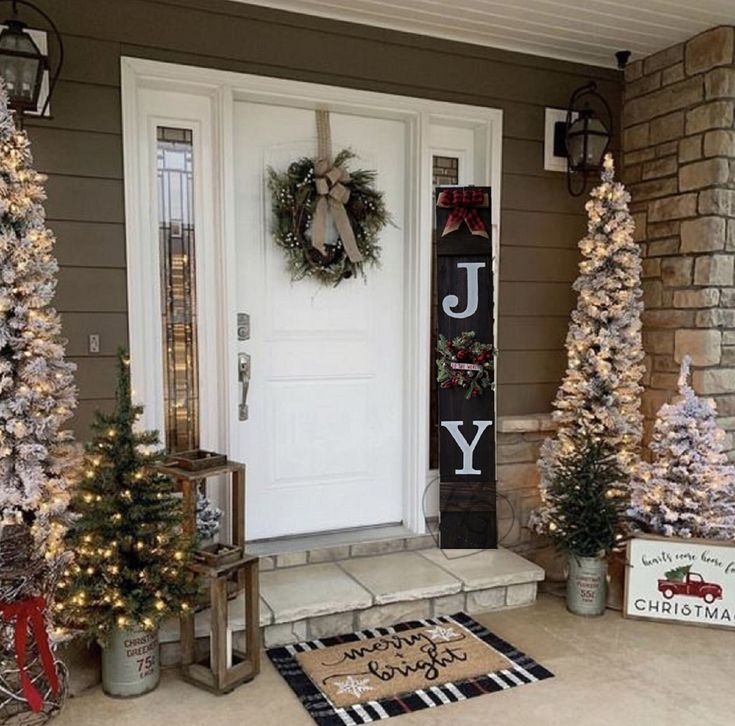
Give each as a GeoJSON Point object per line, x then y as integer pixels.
{"type": "Point", "coordinates": [338, 427]}
{"type": "Point", "coordinates": [323, 437]}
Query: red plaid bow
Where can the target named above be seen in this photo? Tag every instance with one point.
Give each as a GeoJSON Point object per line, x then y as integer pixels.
{"type": "Point", "coordinates": [30, 613]}
{"type": "Point", "coordinates": [464, 204]}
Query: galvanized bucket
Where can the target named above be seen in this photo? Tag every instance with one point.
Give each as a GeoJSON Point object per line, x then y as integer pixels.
{"type": "Point", "coordinates": [587, 585]}
{"type": "Point", "coordinates": [130, 662]}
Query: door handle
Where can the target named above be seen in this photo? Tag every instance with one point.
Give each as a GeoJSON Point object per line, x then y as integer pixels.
{"type": "Point", "coordinates": [243, 375]}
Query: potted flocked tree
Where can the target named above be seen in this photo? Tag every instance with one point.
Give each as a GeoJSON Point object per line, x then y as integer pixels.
{"type": "Point", "coordinates": [688, 488]}
{"type": "Point", "coordinates": [587, 465]}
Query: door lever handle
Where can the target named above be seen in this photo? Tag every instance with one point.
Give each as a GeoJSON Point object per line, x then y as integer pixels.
{"type": "Point", "coordinates": [243, 375]}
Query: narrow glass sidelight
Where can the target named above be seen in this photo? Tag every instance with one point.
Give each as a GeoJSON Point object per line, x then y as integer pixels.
{"type": "Point", "coordinates": [176, 231]}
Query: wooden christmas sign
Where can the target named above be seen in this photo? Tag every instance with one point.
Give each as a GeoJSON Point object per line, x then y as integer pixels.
{"type": "Point", "coordinates": [681, 580]}
{"type": "Point", "coordinates": [465, 368]}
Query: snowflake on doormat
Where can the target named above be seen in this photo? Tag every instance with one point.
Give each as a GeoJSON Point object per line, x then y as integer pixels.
{"type": "Point", "coordinates": [354, 686]}
{"type": "Point", "coordinates": [442, 634]}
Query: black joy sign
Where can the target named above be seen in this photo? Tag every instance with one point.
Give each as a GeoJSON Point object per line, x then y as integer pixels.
{"type": "Point", "coordinates": [467, 499]}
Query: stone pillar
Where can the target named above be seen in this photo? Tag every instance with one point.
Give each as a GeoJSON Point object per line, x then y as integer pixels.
{"type": "Point", "coordinates": [679, 162]}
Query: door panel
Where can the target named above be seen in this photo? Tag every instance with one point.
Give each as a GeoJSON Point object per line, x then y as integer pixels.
{"type": "Point", "coordinates": [323, 438]}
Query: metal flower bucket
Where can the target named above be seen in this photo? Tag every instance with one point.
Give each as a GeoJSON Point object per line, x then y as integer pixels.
{"type": "Point", "coordinates": [130, 662]}
{"type": "Point", "coordinates": [587, 585]}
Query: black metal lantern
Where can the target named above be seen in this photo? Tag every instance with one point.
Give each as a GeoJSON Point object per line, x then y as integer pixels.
{"type": "Point", "coordinates": [587, 136]}
{"type": "Point", "coordinates": [22, 64]}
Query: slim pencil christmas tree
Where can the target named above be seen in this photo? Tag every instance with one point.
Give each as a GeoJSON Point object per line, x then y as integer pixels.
{"type": "Point", "coordinates": [688, 490]}
{"type": "Point", "coordinates": [597, 407]}
{"type": "Point", "coordinates": [37, 394]}
{"type": "Point", "coordinates": [130, 553]}
{"type": "Point", "coordinates": [37, 397]}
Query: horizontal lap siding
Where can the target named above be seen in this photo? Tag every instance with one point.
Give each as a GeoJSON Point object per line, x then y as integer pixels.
{"type": "Point", "coordinates": [81, 151]}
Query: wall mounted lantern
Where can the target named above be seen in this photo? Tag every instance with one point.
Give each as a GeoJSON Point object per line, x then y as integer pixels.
{"type": "Point", "coordinates": [587, 136]}
{"type": "Point", "coordinates": [23, 65]}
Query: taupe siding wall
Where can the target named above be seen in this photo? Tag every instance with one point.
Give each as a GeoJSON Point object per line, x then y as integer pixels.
{"type": "Point", "coordinates": [81, 150]}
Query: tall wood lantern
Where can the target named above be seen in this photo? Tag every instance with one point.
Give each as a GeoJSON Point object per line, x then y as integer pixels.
{"type": "Point", "coordinates": [227, 572]}
{"type": "Point", "coordinates": [465, 281]}
{"type": "Point", "coordinates": [226, 666]}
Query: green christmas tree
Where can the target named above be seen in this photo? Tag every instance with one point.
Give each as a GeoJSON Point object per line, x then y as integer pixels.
{"type": "Point", "coordinates": [678, 574]}
{"type": "Point", "coordinates": [130, 554]}
{"type": "Point", "coordinates": [586, 498]}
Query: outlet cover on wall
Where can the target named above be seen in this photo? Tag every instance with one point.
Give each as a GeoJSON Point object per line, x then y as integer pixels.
{"type": "Point", "coordinates": [94, 343]}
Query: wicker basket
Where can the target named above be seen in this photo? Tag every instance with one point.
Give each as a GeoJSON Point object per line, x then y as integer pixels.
{"type": "Point", "coordinates": [21, 570]}
{"type": "Point", "coordinates": [14, 709]}
{"type": "Point", "coordinates": [23, 574]}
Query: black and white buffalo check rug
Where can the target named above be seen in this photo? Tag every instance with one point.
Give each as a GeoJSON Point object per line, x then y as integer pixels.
{"type": "Point", "coordinates": [383, 672]}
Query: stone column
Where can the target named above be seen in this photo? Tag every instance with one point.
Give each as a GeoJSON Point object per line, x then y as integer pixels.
{"type": "Point", "coordinates": [679, 163]}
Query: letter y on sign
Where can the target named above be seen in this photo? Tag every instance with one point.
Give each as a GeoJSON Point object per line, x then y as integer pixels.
{"type": "Point", "coordinates": [468, 449]}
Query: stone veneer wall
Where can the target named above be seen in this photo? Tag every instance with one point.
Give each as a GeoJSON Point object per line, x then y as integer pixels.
{"type": "Point", "coordinates": [519, 440]}
{"type": "Point", "coordinates": [679, 162]}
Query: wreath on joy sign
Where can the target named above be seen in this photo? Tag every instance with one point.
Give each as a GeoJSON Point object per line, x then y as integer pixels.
{"type": "Point", "coordinates": [464, 362]}
{"type": "Point", "coordinates": [313, 195]}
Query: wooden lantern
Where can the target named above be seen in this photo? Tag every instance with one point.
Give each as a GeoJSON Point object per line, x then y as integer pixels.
{"type": "Point", "coordinates": [227, 571]}
{"type": "Point", "coordinates": [189, 481]}
{"type": "Point", "coordinates": [226, 667]}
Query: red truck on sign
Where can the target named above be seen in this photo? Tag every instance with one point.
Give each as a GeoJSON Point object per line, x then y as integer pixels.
{"type": "Point", "coordinates": [692, 585]}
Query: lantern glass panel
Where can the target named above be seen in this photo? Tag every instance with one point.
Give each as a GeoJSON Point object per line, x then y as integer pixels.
{"type": "Point", "coordinates": [20, 65]}
{"type": "Point", "coordinates": [597, 137]}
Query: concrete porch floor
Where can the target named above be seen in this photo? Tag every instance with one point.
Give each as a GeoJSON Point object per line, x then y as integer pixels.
{"type": "Point", "coordinates": [609, 671]}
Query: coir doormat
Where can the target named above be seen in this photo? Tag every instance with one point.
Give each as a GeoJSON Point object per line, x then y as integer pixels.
{"type": "Point", "coordinates": [382, 672]}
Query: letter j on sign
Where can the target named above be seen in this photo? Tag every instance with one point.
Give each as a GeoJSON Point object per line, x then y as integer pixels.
{"type": "Point", "coordinates": [467, 494]}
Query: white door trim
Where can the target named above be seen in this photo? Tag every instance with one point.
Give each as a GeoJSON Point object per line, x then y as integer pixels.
{"type": "Point", "coordinates": [216, 219]}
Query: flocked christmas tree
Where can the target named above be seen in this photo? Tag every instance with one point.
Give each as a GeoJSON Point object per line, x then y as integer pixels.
{"type": "Point", "coordinates": [597, 407]}
{"type": "Point", "coordinates": [37, 393]}
{"type": "Point", "coordinates": [688, 489]}
{"type": "Point", "coordinates": [37, 397]}
{"type": "Point", "coordinates": [130, 567]}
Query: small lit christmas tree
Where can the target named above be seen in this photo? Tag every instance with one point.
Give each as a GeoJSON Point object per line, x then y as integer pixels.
{"type": "Point", "coordinates": [586, 500]}
{"type": "Point", "coordinates": [688, 490]}
{"type": "Point", "coordinates": [597, 407]}
{"type": "Point", "coordinates": [130, 567]}
{"type": "Point", "coordinates": [208, 517]}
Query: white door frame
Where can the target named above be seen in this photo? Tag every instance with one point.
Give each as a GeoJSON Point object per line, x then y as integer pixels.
{"type": "Point", "coordinates": [215, 224]}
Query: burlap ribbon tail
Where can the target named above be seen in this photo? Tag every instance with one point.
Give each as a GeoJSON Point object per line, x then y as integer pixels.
{"type": "Point", "coordinates": [330, 181]}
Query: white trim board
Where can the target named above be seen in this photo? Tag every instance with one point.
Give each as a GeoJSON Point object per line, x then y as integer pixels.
{"type": "Point", "coordinates": [217, 92]}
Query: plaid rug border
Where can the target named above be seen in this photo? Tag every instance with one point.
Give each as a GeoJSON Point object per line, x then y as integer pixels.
{"type": "Point", "coordinates": [524, 670]}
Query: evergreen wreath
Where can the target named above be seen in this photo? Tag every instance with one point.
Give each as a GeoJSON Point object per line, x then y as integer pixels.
{"type": "Point", "coordinates": [294, 202]}
{"type": "Point", "coordinates": [464, 362]}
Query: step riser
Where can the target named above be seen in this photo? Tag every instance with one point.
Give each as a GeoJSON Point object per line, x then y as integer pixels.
{"type": "Point", "coordinates": [476, 601]}
{"type": "Point", "coordinates": [340, 553]}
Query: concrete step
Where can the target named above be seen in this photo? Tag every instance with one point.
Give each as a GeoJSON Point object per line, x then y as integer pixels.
{"type": "Point", "coordinates": [327, 598]}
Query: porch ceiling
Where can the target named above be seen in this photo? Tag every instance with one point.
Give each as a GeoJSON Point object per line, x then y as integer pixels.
{"type": "Point", "coordinates": [585, 31]}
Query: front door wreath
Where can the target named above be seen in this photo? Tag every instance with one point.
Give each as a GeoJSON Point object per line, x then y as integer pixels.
{"type": "Point", "coordinates": [314, 194]}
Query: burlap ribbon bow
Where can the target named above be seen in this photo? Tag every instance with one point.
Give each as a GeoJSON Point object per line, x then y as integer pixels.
{"type": "Point", "coordinates": [464, 204]}
{"type": "Point", "coordinates": [28, 614]}
{"type": "Point", "coordinates": [330, 184]}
